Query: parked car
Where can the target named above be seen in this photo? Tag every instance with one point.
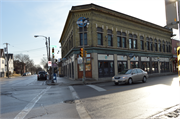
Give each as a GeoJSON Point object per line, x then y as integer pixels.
{"type": "Point", "coordinates": [24, 74]}
{"type": "Point", "coordinates": [42, 75]}
{"type": "Point", "coordinates": [130, 75]}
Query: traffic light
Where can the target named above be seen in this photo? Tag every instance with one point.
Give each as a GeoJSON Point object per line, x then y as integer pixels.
{"type": "Point", "coordinates": [81, 52]}
{"type": "Point", "coordinates": [85, 53]}
{"type": "Point", "coordinates": [53, 50]}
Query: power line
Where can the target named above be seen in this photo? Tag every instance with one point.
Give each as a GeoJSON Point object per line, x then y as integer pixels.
{"type": "Point", "coordinates": [29, 50]}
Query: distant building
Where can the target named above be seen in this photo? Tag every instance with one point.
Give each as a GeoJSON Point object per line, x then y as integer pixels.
{"type": "Point", "coordinates": [175, 44]}
{"type": "Point", "coordinates": [114, 41]}
{"type": "Point", "coordinates": [2, 63]}
{"type": "Point", "coordinates": [10, 63]}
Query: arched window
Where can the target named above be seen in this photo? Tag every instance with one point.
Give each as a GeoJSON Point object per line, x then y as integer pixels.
{"type": "Point", "coordinates": [151, 44]}
{"type": "Point", "coordinates": [132, 41]}
{"type": "Point", "coordinates": [119, 42]}
{"type": "Point", "coordinates": [135, 41]}
{"type": "Point", "coordinates": [142, 42]}
{"type": "Point", "coordinates": [163, 46]}
{"type": "Point", "coordinates": [147, 43]}
{"type": "Point", "coordinates": [123, 39]}
{"type": "Point", "coordinates": [155, 45]}
{"type": "Point", "coordinates": [159, 45]}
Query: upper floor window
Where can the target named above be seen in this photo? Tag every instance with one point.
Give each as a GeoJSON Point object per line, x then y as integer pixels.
{"type": "Point", "coordinates": [159, 46]}
{"type": "Point", "coordinates": [150, 44]}
{"type": "Point", "coordinates": [132, 41]}
{"type": "Point", "coordinates": [100, 35]}
{"type": "Point", "coordinates": [81, 38]}
{"type": "Point", "coordinates": [147, 43]}
{"type": "Point", "coordinates": [163, 47]}
{"type": "Point", "coordinates": [155, 45]}
{"type": "Point", "coordinates": [2, 61]}
{"type": "Point", "coordinates": [142, 42]}
{"type": "Point", "coordinates": [110, 40]}
{"type": "Point", "coordinates": [123, 39]}
{"type": "Point", "coordinates": [81, 35]}
{"type": "Point", "coordinates": [119, 39]}
{"type": "Point", "coordinates": [135, 41]}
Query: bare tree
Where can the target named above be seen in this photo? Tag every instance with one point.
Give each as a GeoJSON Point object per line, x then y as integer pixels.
{"type": "Point", "coordinates": [44, 62]}
{"type": "Point", "coordinates": [23, 58]}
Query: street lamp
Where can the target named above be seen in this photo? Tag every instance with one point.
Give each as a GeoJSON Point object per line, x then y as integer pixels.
{"type": "Point", "coordinates": [47, 45]}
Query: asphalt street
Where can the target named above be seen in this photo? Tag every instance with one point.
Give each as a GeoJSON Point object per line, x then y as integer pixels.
{"type": "Point", "coordinates": [27, 98]}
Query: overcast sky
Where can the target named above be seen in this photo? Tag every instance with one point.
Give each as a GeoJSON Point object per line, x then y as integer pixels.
{"type": "Point", "coordinates": [20, 20]}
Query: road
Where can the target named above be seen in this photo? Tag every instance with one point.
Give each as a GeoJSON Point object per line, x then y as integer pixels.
{"type": "Point", "coordinates": [27, 98]}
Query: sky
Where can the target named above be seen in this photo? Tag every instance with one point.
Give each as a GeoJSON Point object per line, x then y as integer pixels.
{"type": "Point", "coordinates": [20, 20]}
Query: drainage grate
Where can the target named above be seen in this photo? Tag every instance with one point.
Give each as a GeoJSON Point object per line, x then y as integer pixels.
{"type": "Point", "coordinates": [69, 101]}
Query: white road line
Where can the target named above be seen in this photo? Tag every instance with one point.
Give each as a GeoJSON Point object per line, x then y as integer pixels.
{"type": "Point", "coordinates": [28, 108]}
{"type": "Point", "coordinates": [97, 88]}
{"type": "Point", "coordinates": [79, 106]}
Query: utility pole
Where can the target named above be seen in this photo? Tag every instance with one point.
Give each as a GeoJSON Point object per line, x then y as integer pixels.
{"type": "Point", "coordinates": [7, 58]}
{"type": "Point", "coordinates": [49, 59]}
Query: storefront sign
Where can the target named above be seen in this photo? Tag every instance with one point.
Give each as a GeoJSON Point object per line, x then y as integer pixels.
{"type": "Point", "coordinates": [134, 59]}
{"type": "Point", "coordinates": [155, 59]}
{"type": "Point", "coordinates": [164, 59]}
{"type": "Point", "coordinates": [122, 58]}
{"type": "Point", "coordinates": [105, 57]}
{"type": "Point", "coordinates": [144, 58]}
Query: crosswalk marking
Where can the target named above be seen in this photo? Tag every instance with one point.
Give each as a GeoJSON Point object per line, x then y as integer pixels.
{"type": "Point", "coordinates": [97, 88]}
{"type": "Point", "coordinates": [79, 106]}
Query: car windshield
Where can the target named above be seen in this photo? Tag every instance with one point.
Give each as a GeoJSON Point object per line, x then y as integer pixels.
{"type": "Point", "coordinates": [126, 72]}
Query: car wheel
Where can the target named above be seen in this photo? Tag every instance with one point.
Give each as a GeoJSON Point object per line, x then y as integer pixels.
{"type": "Point", "coordinates": [130, 81]}
{"type": "Point", "coordinates": [144, 79]}
{"type": "Point", "coordinates": [116, 83]}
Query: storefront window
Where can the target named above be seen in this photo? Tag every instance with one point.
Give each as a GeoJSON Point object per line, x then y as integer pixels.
{"type": "Point", "coordinates": [145, 66]}
{"type": "Point", "coordinates": [134, 65]}
{"type": "Point", "coordinates": [121, 66]}
{"type": "Point", "coordinates": [154, 67]}
{"type": "Point", "coordinates": [106, 68]}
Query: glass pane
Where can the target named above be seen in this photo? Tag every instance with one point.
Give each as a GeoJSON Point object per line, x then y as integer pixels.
{"type": "Point", "coordinates": [106, 71]}
{"type": "Point", "coordinates": [99, 39]}
{"type": "Point", "coordinates": [88, 61]}
{"type": "Point", "coordinates": [109, 40]}
{"type": "Point", "coordinates": [80, 67]}
{"type": "Point", "coordinates": [130, 43]}
{"type": "Point", "coordinates": [88, 67]}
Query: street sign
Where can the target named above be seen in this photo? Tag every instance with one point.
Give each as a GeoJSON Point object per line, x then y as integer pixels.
{"type": "Point", "coordinates": [80, 22]}
{"type": "Point", "coordinates": [53, 46]}
{"type": "Point", "coordinates": [80, 60]}
{"type": "Point", "coordinates": [49, 63]}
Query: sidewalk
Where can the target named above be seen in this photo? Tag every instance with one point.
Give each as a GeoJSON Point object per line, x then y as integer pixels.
{"type": "Point", "coordinates": [68, 81]}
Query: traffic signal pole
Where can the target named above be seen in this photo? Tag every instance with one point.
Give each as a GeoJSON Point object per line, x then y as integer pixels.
{"type": "Point", "coordinates": [84, 78]}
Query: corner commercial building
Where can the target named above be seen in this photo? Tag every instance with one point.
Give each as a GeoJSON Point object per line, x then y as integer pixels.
{"type": "Point", "coordinates": [113, 41]}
